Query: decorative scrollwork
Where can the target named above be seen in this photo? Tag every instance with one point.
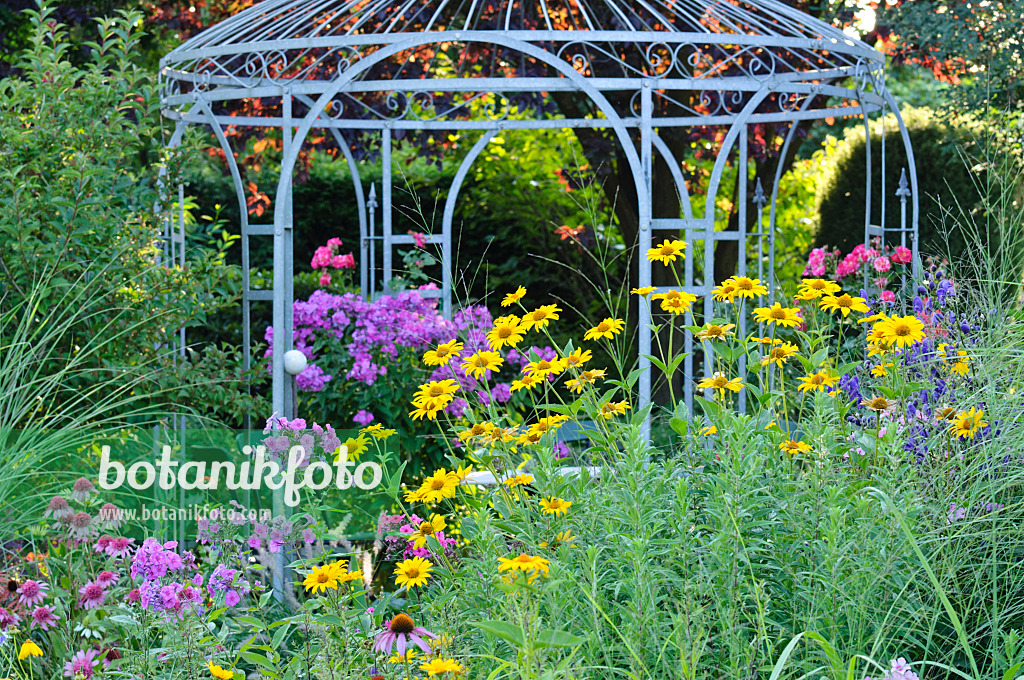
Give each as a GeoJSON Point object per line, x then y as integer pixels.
{"type": "Point", "coordinates": [422, 106]}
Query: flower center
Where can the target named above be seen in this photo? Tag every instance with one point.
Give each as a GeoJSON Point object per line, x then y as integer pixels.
{"type": "Point", "coordinates": [436, 391]}
{"type": "Point", "coordinates": [401, 624]}
{"type": "Point", "coordinates": [844, 301]}
{"type": "Point", "coordinates": [778, 314]}
{"type": "Point", "coordinates": [426, 528]}
{"type": "Point", "coordinates": [879, 404]}
{"type": "Point", "coordinates": [93, 591]}
{"type": "Point", "coordinates": [323, 577]}
{"type": "Point", "coordinates": [504, 332]}
{"type": "Point", "coordinates": [901, 330]}
{"type": "Point", "coordinates": [603, 327]}
{"type": "Point", "coordinates": [437, 484]}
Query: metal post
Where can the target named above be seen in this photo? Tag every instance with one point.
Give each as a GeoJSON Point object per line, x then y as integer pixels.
{"type": "Point", "coordinates": [644, 210]}
{"type": "Point", "coordinates": [370, 245]}
{"type": "Point", "coordinates": [385, 184]}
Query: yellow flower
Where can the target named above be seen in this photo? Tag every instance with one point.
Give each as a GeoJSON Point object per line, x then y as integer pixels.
{"type": "Point", "coordinates": [844, 304]}
{"type": "Point", "coordinates": [378, 431]}
{"type": "Point", "coordinates": [436, 389]}
{"type": "Point", "coordinates": [778, 354]}
{"type": "Point", "coordinates": [438, 486]}
{"type": "Point", "coordinates": [442, 356]}
{"type": "Point", "coordinates": [721, 383]}
{"type": "Point", "coordinates": [777, 314]}
{"type": "Point", "coordinates": [901, 331]}
{"type": "Point", "coordinates": [646, 290]}
{"type": "Point", "coordinates": [429, 408]}
{"type": "Point", "coordinates": [812, 289]}
{"type": "Point", "coordinates": [713, 331]}
{"type": "Point", "coordinates": [355, 446]}
{"type": "Point", "coordinates": [527, 382]}
{"type": "Point", "coordinates": [548, 423]}
{"type": "Point", "coordinates": [499, 434]}
{"type": "Point", "coordinates": [529, 438]}
{"type": "Point", "coordinates": [873, 318]}
{"type": "Point", "coordinates": [708, 431]}
{"type": "Point", "coordinates": [878, 404]}
{"type": "Point", "coordinates": [344, 574]}
{"type": "Point", "coordinates": [817, 382]}
{"type": "Point", "coordinates": [474, 431]}
{"type": "Point", "coordinates": [29, 648]}
{"type": "Point", "coordinates": [764, 341]}
{"type": "Point", "coordinates": [577, 358]}
{"type": "Point", "coordinates": [513, 298]}
{"type": "Point", "coordinates": [412, 572]}
{"type": "Point", "coordinates": [439, 666]}
{"type": "Point", "coordinates": [462, 471]}
{"type": "Point", "coordinates": [524, 563]}
{"type": "Point", "coordinates": [748, 288]}
{"type": "Point", "coordinates": [506, 332]}
{"type": "Point", "coordinates": [321, 578]}
{"type": "Point", "coordinates": [518, 480]}
{"type": "Point", "coordinates": [481, 362]}
{"type": "Point", "coordinates": [606, 329]}
{"type": "Point", "coordinates": [560, 538]}
{"type": "Point", "coordinates": [554, 506]}
{"type": "Point", "coordinates": [586, 378]}
{"type": "Point", "coordinates": [667, 252]}
{"type": "Point", "coordinates": [613, 408]}
{"type": "Point", "coordinates": [882, 369]}
{"type": "Point", "coordinates": [544, 367]}
{"type": "Point", "coordinates": [725, 292]}
{"type": "Point", "coordinates": [675, 301]}
{"type": "Point", "coordinates": [539, 318]}
{"type": "Point", "coordinates": [794, 447]}
{"type": "Point", "coordinates": [426, 528]}
{"type": "Point", "coordinates": [959, 364]}
{"type": "Point", "coordinates": [218, 672]}
{"type": "Point", "coordinates": [967, 423]}
{"type": "Point", "coordinates": [409, 655]}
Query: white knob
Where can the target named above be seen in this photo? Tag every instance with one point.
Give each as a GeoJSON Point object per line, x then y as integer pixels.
{"type": "Point", "coordinates": [294, 362]}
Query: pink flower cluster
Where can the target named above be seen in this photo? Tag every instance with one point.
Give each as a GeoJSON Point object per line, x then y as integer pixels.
{"type": "Point", "coordinates": [899, 670]}
{"type": "Point", "coordinates": [315, 441]}
{"type": "Point", "coordinates": [327, 257]}
{"type": "Point", "coordinates": [820, 261]}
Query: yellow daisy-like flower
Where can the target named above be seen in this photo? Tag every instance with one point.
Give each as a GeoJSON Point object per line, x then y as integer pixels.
{"type": "Point", "coordinates": [409, 655]}
{"type": "Point", "coordinates": [712, 331]}
{"type": "Point", "coordinates": [577, 358]}
{"type": "Point", "coordinates": [481, 362]}
{"type": "Point", "coordinates": [461, 472]}
{"type": "Point", "coordinates": [720, 383]}
{"type": "Point", "coordinates": [844, 304]}
{"type": "Point", "coordinates": [518, 480]}
{"type": "Point", "coordinates": [345, 575]}
{"type": "Point", "coordinates": [967, 423]}
{"type": "Point", "coordinates": [427, 528]}
{"type": "Point", "coordinates": [748, 288]}
{"type": "Point", "coordinates": [439, 666]}
{"type": "Point", "coordinates": [794, 447]}
{"type": "Point", "coordinates": [608, 328]}
{"type": "Point", "coordinates": [527, 382]}
{"type": "Point", "coordinates": [960, 364]}
{"type": "Point", "coordinates": [412, 572]}
{"type": "Point", "coordinates": [507, 332]}
{"type": "Point", "coordinates": [524, 563]}
{"type": "Point", "coordinates": [554, 506]}
{"type": "Point", "coordinates": [498, 435]}
{"type": "Point", "coordinates": [218, 672]}
{"type": "Point", "coordinates": [429, 408]}
{"type": "Point", "coordinates": [320, 579]}
{"type": "Point", "coordinates": [549, 423]}
{"type": "Point", "coordinates": [646, 290]}
{"type": "Point", "coordinates": [878, 404]}
{"type": "Point", "coordinates": [414, 495]}
{"type": "Point", "coordinates": [667, 252]}
{"type": "Point", "coordinates": [764, 341]}
{"type": "Point", "coordinates": [779, 315]}
{"type": "Point", "coordinates": [544, 367]}
{"type": "Point", "coordinates": [899, 331]}
{"type": "Point", "coordinates": [438, 486]}
{"type": "Point", "coordinates": [613, 408]}
{"type": "Point", "coordinates": [513, 298]}
{"type": "Point", "coordinates": [675, 301]}
{"type": "Point", "coordinates": [560, 538]}
{"type": "Point", "coordinates": [540, 317]}
{"type": "Point", "coordinates": [378, 431]}
{"type": "Point", "coordinates": [529, 438]}
{"type": "Point", "coordinates": [882, 369]}
{"type": "Point", "coordinates": [817, 382]}
{"type": "Point", "coordinates": [436, 389]}
{"type": "Point", "coordinates": [812, 289]}
{"type": "Point", "coordinates": [442, 356]}
{"type": "Point", "coordinates": [29, 648]}
{"type": "Point", "coordinates": [725, 292]}
{"type": "Point", "coordinates": [778, 354]}
{"type": "Point", "coordinates": [873, 318]}
{"type": "Point", "coordinates": [708, 431]}
{"type": "Point", "coordinates": [475, 430]}
{"type": "Point", "coordinates": [586, 378]}
{"type": "Point", "coordinates": [354, 447]}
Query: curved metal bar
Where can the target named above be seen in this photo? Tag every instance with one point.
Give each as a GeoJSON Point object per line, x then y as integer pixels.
{"type": "Point", "coordinates": [912, 171]}
{"type": "Point", "coordinates": [357, 184]}
{"type": "Point", "coordinates": [677, 174]}
{"type": "Point", "coordinates": [449, 213]}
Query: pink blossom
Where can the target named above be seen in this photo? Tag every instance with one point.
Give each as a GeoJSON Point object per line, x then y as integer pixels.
{"type": "Point", "coordinates": [903, 255]}
{"type": "Point", "coordinates": [32, 592]}
{"type": "Point", "coordinates": [881, 264]}
{"type": "Point", "coordinates": [92, 595]}
{"type": "Point", "coordinates": [43, 617]}
{"type": "Point", "coordinates": [325, 279]}
{"type": "Point", "coordinates": [888, 297]}
{"type": "Point", "coordinates": [419, 238]}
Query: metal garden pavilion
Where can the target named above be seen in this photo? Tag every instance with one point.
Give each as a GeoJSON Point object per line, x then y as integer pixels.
{"type": "Point", "coordinates": [385, 67]}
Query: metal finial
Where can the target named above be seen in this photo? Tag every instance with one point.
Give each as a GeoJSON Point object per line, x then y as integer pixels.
{"type": "Point", "coordinates": [904, 189]}
{"type": "Point", "coordinates": [371, 203]}
{"type": "Point", "coordinates": [759, 196]}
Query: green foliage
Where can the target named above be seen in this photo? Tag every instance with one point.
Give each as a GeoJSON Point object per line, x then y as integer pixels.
{"type": "Point", "coordinates": [944, 179]}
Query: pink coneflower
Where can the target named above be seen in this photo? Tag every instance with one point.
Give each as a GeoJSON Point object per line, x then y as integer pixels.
{"type": "Point", "coordinates": [81, 524]}
{"type": "Point", "coordinates": [82, 663]}
{"type": "Point", "coordinates": [401, 631]}
{"type": "Point", "coordinates": [81, 490]}
{"type": "Point", "coordinates": [102, 543]}
{"type": "Point", "coordinates": [120, 547]}
{"type": "Point", "coordinates": [58, 509]}
{"type": "Point", "coordinates": [32, 592]}
{"type": "Point", "coordinates": [110, 516]}
{"type": "Point", "coordinates": [92, 595]}
{"type": "Point", "coordinates": [106, 578]}
{"type": "Point", "coordinates": [44, 617]}
{"type": "Point", "coordinates": [8, 619]}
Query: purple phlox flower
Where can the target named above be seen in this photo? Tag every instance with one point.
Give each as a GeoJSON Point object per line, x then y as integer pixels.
{"type": "Point", "coordinates": [402, 632]}
{"type": "Point", "coordinates": [154, 560]}
{"type": "Point", "coordinates": [31, 592]}
{"type": "Point", "coordinates": [956, 513]}
{"type": "Point", "coordinates": [363, 417]}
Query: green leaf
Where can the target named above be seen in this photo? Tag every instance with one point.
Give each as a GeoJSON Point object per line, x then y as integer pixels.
{"type": "Point", "coordinates": [679, 426]}
{"type": "Point", "coordinates": [508, 632]}
{"type": "Point", "coordinates": [548, 637]}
